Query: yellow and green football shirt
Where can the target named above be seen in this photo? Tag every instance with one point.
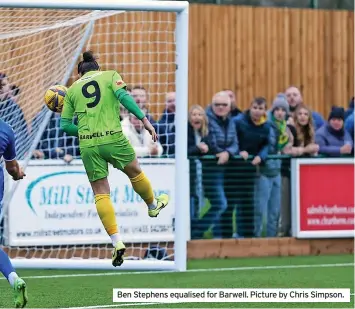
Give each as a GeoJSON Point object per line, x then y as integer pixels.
{"type": "Point", "coordinates": [94, 99]}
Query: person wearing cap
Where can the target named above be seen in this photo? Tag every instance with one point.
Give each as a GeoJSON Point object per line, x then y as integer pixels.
{"type": "Point", "coordinates": [332, 138]}
{"type": "Point", "coordinates": [268, 184]}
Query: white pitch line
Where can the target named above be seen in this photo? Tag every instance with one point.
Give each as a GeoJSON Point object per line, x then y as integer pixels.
{"type": "Point", "coordinates": [191, 270]}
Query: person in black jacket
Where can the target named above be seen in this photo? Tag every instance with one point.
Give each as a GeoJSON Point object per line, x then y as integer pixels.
{"type": "Point", "coordinates": [253, 133]}
{"type": "Point", "coordinates": [197, 146]}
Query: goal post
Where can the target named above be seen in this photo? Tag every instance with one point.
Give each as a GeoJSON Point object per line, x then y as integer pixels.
{"type": "Point", "coordinates": [50, 256]}
{"type": "Point", "coordinates": [46, 118]}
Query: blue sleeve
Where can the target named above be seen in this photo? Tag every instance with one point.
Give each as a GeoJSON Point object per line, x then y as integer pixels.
{"type": "Point", "coordinates": [318, 120]}
{"type": "Point", "coordinates": [212, 142]}
{"type": "Point", "coordinates": [10, 151]}
{"type": "Point", "coordinates": [326, 149]}
{"type": "Point", "coordinates": [348, 113]}
{"type": "Point", "coordinates": [20, 127]}
{"type": "Point", "coordinates": [237, 118]}
{"type": "Point", "coordinates": [233, 149]}
{"type": "Point", "coordinates": [348, 139]}
{"type": "Point", "coordinates": [349, 125]}
{"type": "Point", "coordinates": [263, 153]}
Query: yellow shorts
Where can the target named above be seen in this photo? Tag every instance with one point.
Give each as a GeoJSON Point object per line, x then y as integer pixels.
{"type": "Point", "coordinates": [96, 158]}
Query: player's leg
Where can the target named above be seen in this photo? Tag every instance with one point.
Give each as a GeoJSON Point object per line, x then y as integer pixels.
{"type": "Point", "coordinates": [104, 207]}
{"type": "Point", "coordinates": [97, 171]}
{"type": "Point", "coordinates": [19, 286]}
{"type": "Point", "coordinates": [122, 156]}
{"type": "Point", "coordinates": [142, 186]}
{"type": "Point", "coordinates": [6, 268]}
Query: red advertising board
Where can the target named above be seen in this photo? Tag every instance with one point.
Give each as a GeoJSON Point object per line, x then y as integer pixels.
{"type": "Point", "coordinates": [323, 198]}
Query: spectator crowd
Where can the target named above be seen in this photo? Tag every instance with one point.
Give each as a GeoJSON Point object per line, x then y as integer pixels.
{"type": "Point", "coordinates": [239, 160]}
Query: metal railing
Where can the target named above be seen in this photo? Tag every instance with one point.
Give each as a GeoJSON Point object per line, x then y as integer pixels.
{"type": "Point", "coordinates": [240, 200]}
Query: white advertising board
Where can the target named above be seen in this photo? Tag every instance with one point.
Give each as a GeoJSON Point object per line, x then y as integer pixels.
{"type": "Point", "coordinates": [54, 205]}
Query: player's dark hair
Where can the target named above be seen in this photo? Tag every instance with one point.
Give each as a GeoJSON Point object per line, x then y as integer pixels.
{"type": "Point", "coordinates": [259, 101]}
{"type": "Point", "coordinates": [88, 63]}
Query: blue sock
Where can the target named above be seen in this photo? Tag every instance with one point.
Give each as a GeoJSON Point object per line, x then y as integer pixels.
{"type": "Point", "coordinates": [5, 265]}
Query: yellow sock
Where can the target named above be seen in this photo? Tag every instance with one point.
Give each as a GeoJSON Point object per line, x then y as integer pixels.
{"type": "Point", "coordinates": [106, 213]}
{"type": "Point", "coordinates": [142, 186]}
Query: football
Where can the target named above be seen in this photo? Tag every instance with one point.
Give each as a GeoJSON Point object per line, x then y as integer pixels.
{"type": "Point", "coordinates": [54, 98]}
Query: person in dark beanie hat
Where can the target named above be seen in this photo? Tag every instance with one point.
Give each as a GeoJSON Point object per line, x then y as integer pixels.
{"type": "Point", "coordinates": [332, 138]}
{"type": "Point", "coordinates": [337, 113]}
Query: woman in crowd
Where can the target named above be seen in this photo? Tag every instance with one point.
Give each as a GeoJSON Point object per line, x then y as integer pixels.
{"type": "Point", "coordinates": [303, 132]}
{"type": "Point", "coordinates": [197, 146]}
{"type": "Point", "coordinates": [302, 143]}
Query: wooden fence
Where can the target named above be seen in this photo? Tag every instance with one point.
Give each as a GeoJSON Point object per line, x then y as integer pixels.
{"type": "Point", "coordinates": [261, 51]}
{"type": "Point", "coordinates": [253, 51]}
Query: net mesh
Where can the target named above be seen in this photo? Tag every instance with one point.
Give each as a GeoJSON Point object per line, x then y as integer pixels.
{"type": "Point", "coordinates": [39, 48]}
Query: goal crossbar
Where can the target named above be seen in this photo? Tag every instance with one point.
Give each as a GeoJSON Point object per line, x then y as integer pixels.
{"type": "Point", "coordinates": [161, 6]}
{"type": "Point", "coordinates": [181, 117]}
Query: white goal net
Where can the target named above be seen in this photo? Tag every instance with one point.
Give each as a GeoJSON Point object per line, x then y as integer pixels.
{"type": "Point", "coordinates": [49, 219]}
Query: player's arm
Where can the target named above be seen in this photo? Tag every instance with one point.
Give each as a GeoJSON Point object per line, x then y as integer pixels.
{"type": "Point", "coordinates": [128, 102]}
{"type": "Point", "coordinates": [119, 88]}
{"type": "Point", "coordinates": [11, 164]}
{"type": "Point", "coordinates": [66, 119]}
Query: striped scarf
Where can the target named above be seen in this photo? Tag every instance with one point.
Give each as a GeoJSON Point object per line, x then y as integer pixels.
{"type": "Point", "coordinates": [283, 136]}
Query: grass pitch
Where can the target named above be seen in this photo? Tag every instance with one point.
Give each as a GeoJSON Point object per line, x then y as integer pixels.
{"type": "Point", "coordinates": [93, 289]}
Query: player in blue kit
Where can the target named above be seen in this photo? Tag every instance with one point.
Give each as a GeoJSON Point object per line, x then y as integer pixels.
{"type": "Point", "coordinates": [7, 151]}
